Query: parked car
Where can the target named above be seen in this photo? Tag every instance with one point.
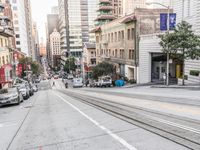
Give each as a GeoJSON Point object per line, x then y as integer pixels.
{"type": "Point", "coordinates": [37, 80]}
{"type": "Point", "coordinates": [25, 90]}
{"type": "Point", "coordinates": [77, 82]}
{"type": "Point", "coordinates": [35, 88]}
{"type": "Point", "coordinates": [31, 88]}
{"type": "Point", "coordinates": [56, 76]}
{"type": "Point", "coordinates": [10, 96]}
{"type": "Point", "coordinates": [105, 81]}
{"type": "Point", "coordinates": [70, 76]}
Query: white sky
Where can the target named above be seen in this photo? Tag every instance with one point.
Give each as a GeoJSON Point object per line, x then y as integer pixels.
{"type": "Point", "coordinates": [40, 9]}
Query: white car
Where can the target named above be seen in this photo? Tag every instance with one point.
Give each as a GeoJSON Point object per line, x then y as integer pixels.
{"type": "Point", "coordinates": [70, 76]}
{"type": "Point", "coordinates": [77, 82]}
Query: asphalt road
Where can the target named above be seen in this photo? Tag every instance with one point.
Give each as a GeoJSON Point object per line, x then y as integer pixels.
{"type": "Point", "coordinates": [51, 120]}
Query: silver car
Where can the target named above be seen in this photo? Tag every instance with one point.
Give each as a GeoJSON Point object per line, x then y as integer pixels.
{"type": "Point", "coordinates": [10, 96]}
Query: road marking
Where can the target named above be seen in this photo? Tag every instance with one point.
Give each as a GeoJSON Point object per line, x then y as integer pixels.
{"type": "Point", "coordinates": [116, 137]}
{"type": "Point", "coordinates": [7, 125]}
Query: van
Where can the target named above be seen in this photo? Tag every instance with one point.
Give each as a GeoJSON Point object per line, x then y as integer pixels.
{"type": "Point", "coordinates": [77, 82]}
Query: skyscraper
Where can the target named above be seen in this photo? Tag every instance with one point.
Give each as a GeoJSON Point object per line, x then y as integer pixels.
{"type": "Point", "coordinates": [29, 27]}
{"type": "Point", "coordinates": [76, 20]}
{"type": "Point", "coordinates": [20, 27]}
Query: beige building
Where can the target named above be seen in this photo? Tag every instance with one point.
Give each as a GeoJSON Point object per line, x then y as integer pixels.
{"type": "Point", "coordinates": [115, 43]}
{"type": "Point", "coordinates": [89, 54]}
{"type": "Point", "coordinates": [55, 50]}
{"type": "Point", "coordinates": [130, 5]}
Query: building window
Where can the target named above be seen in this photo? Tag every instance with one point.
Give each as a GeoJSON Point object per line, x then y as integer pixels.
{"type": "Point", "coordinates": [18, 42]}
{"type": "Point", "coordinates": [119, 36]}
{"type": "Point", "coordinates": [115, 36]}
{"type": "Point", "coordinates": [108, 37]}
{"type": "Point", "coordinates": [122, 35]}
{"type": "Point", "coordinates": [128, 34]}
{"type": "Point", "coordinates": [17, 36]}
{"type": "Point", "coordinates": [1, 42]}
{"type": "Point", "coordinates": [116, 53]}
{"type": "Point", "coordinates": [132, 33]}
{"type": "Point", "coordinates": [111, 37]}
{"type": "Point", "coordinates": [131, 54]}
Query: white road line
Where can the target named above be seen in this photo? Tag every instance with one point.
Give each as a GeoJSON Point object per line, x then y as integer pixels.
{"type": "Point", "coordinates": [116, 137]}
{"type": "Point", "coordinates": [7, 125]}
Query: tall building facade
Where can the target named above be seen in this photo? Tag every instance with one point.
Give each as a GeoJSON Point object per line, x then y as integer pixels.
{"type": "Point", "coordinates": [52, 23]}
{"type": "Point", "coordinates": [128, 6]}
{"type": "Point", "coordinates": [76, 20]}
{"type": "Point", "coordinates": [29, 27]}
{"type": "Point", "coordinates": [55, 48]}
{"type": "Point", "coordinates": [20, 26]}
{"type": "Point", "coordinates": [36, 41]}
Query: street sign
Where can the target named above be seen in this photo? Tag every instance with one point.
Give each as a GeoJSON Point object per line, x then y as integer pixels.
{"type": "Point", "coordinates": [164, 20]}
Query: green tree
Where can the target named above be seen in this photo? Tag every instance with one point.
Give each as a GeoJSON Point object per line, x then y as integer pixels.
{"type": "Point", "coordinates": [36, 67]}
{"type": "Point", "coordinates": [70, 65]}
{"type": "Point", "coordinates": [101, 69]}
{"type": "Point", "coordinates": [182, 43]}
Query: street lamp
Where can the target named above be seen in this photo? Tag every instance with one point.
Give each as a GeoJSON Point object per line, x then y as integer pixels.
{"type": "Point", "coordinates": [168, 17]}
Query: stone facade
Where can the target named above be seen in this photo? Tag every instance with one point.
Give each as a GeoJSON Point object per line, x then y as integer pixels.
{"type": "Point", "coordinates": [115, 43]}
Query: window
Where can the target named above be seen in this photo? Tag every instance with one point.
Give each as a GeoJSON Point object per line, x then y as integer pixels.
{"type": "Point", "coordinates": [17, 35]}
{"type": "Point", "coordinates": [119, 36]}
{"type": "Point", "coordinates": [131, 54]}
{"type": "Point", "coordinates": [18, 42]}
{"type": "Point", "coordinates": [1, 42]}
{"type": "Point", "coordinates": [116, 53]}
{"type": "Point", "coordinates": [108, 37]}
{"type": "Point", "coordinates": [115, 36]}
{"type": "Point", "coordinates": [14, 7]}
{"type": "Point", "coordinates": [111, 37]}
{"type": "Point", "coordinates": [132, 33]}
{"type": "Point", "coordinates": [128, 34]}
{"type": "Point", "coordinates": [122, 35]}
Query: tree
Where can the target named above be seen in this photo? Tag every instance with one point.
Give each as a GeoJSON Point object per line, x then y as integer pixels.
{"type": "Point", "coordinates": [101, 69]}
{"type": "Point", "coordinates": [36, 68]}
{"type": "Point", "coordinates": [70, 65]}
{"type": "Point", "coordinates": [182, 43]}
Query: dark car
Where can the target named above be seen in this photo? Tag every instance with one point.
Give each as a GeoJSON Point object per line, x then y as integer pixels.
{"type": "Point", "coordinates": [10, 96]}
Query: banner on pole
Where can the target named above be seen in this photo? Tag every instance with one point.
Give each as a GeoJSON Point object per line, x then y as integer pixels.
{"type": "Point", "coordinates": [164, 20]}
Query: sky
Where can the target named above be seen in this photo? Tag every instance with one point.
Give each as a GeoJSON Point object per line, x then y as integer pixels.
{"type": "Point", "coordinates": [40, 9]}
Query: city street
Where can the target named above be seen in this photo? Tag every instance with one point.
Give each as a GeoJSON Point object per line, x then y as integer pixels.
{"type": "Point", "coordinates": [53, 120]}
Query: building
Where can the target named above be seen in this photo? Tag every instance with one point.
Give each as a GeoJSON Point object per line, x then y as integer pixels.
{"type": "Point", "coordinates": [152, 62]}
{"type": "Point", "coordinates": [29, 27]}
{"type": "Point", "coordinates": [89, 57]}
{"type": "Point", "coordinates": [36, 41]}
{"type": "Point", "coordinates": [106, 13]}
{"type": "Point", "coordinates": [20, 26]}
{"type": "Point", "coordinates": [52, 23]}
{"type": "Point", "coordinates": [55, 48]}
{"type": "Point", "coordinates": [188, 10]}
{"type": "Point", "coordinates": [117, 7]}
{"type": "Point", "coordinates": [55, 10]}
{"type": "Point", "coordinates": [115, 43]}
{"type": "Point", "coordinates": [76, 20]}
{"type": "Point", "coordinates": [6, 44]}
{"type": "Point", "coordinates": [130, 5]}
{"type": "Point", "coordinates": [42, 49]}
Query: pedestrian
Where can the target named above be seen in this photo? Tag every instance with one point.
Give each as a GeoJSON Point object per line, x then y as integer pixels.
{"type": "Point", "coordinates": [53, 83]}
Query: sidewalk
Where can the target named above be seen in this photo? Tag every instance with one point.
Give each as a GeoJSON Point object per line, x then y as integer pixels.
{"type": "Point", "coordinates": [190, 87]}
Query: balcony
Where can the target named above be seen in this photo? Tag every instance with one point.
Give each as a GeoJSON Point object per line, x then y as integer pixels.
{"type": "Point", "coordinates": [102, 8]}
{"type": "Point", "coordinates": [105, 2]}
{"type": "Point", "coordinates": [6, 31]}
{"type": "Point", "coordinates": [105, 17]}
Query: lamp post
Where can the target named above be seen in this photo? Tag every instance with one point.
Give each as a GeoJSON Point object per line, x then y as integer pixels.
{"type": "Point", "coordinates": [168, 28]}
